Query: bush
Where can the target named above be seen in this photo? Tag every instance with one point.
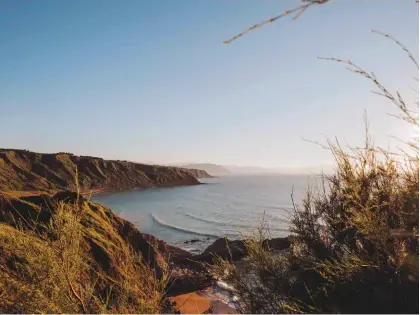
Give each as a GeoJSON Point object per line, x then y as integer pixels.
{"type": "Point", "coordinates": [355, 246]}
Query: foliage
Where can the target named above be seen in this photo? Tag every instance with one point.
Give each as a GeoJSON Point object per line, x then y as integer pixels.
{"type": "Point", "coordinates": [355, 246]}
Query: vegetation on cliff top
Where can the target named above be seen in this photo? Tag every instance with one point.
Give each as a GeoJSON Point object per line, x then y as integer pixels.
{"type": "Point", "coordinates": [22, 170]}
{"type": "Point", "coordinates": [63, 254]}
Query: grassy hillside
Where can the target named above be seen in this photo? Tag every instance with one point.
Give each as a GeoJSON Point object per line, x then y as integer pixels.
{"type": "Point", "coordinates": [22, 170]}
{"type": "Point", "coordinates": [64, 254]}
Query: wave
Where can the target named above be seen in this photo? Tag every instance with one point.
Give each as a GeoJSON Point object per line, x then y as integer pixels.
{"type": "Point", "coordinates": [234, 225]}
{"type": "Point", "coordinates": [216, 222]}
{"type": "Point", "coordinates": [157, 220]}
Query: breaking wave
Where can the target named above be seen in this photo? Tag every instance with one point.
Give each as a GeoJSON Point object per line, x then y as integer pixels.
{"type": "Point", "coordinates": [159, 221]}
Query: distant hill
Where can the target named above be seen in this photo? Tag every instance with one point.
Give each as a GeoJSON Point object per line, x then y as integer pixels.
{"type": "Point", "coordinates": [244, 170]}
{"type": "Point", "coordinates": [212, 169]}
{"type": "Point", "coordinates": [225, 170]}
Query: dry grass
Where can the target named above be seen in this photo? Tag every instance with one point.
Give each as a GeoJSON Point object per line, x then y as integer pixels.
{"type": "Point", "coordinates": [46, 268]}
{"type": "Point", "coordinates": [355, 247]}
{"type": "Point", "coordinates": [298, 11]}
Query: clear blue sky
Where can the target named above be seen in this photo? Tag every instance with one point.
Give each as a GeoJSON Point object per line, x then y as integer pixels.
{"type": "Point", "coordinates": [151, 80]}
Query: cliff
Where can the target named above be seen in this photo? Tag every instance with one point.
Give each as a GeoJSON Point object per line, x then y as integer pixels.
{"type": "Point", "coordinates": [22, 170]}
{"type": "Point", "coordinates": [53, 245]}
{"type": "Point", "coordinates": [102, 229]}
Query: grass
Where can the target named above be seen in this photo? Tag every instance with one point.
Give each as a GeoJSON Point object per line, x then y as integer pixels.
{"type": "Point", "coordinates": [355, 247]}
{"type": "Point", "coordinates": [48, 267]}
{"type": "Point", "coordinates": [355, 244]}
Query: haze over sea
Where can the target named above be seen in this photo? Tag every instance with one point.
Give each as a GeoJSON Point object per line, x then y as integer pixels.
{"type": "Point", "coordinates": [226, 206]}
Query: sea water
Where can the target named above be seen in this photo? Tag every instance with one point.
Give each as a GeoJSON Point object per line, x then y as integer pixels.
{"type": "Point", "coordinates": [230, 206]}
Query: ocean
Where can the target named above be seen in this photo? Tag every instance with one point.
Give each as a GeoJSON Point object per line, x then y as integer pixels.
{"type": "Point", "coordinates": [230, 206]}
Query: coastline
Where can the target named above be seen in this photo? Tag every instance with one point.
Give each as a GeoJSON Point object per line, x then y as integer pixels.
{"type": "Point", "coordinates": [186, 268]}
{"type": "Point", "coordinates": [92, 192]}
{"type": "Point", "coordinates": [95, 192]}
{"type": "Point", "coordinates": [23, 170]}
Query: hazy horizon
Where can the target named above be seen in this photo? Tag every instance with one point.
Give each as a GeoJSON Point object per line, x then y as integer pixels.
{"type": "Point", "coordinates": [181, 164]}
{"type": "Point", "coordinates": [261, 169]}
{"type": "Point", "coordinates": [152, 81]}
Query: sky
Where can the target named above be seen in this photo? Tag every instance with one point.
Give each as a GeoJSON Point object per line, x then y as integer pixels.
{"type": "Point", "coordinates": [151, 81]}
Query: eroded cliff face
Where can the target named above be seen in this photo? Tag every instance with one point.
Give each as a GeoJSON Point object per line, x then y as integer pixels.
{"type": "Point", "coordinates": [22, 170]}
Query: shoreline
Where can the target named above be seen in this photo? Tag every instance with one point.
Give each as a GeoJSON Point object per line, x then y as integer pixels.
{"type": "Point", "coordinates": [96, 192]}
{"type": "Point", "coordinates": [185, 267]}
{"type": "Point", "coordinates": [93, 192]}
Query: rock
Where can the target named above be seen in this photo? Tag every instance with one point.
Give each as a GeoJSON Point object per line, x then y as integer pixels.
{"type": "Point", "coordinates": [222, 244]}
{"type": "Point", "coordinates": [280, 243]}
{"type": "Point", "coordinates": [187, 280]}
{"type": "Point", "coordinates": [171, 253]}
{"type": "Point", "coordinates": [226, 249]}
{"type": "Point", "coordinates": [229, 250]}
{"type": "Point", "coordinates": [194, 240]}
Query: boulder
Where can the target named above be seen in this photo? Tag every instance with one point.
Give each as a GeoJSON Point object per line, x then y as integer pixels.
{"type": "Point", "coordinates": [279, 243]}
{"type": "Point", "coordinates": [231, 250]}
{"type": "Point", "coordinates": [226, 249]}
{"type": "Point", "coordinates": [194, 240]}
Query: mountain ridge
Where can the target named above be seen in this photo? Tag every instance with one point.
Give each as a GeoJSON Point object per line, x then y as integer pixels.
{"type": "Point", "coordinates": [226, 170]}
{"type": "Point", "coordinates": [23, 170]}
